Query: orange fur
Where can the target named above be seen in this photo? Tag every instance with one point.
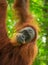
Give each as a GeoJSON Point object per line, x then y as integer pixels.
{"type": "Point", "coordinates": [3, 33]}
{"type": "Point", "coordinates": [11, 54]}
{"type": "Point", "coordinates": [28, 51]}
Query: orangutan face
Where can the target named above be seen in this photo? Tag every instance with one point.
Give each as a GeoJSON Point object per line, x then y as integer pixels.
{"type": "Point", "coordinates": [25, 35]}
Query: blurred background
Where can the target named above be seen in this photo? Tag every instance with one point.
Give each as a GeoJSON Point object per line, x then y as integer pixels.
{"type": "Point", "coordinates": [39, 10]}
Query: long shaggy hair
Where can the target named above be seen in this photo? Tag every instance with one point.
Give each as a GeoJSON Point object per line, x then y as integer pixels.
{"type": "Point", "coordinates": [17, 55]}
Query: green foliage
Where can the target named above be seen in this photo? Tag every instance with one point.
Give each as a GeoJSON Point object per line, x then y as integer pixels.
{"type": "Point", "coordinates": [10, 1]}
{"type": "Point", "coordinates": [10, 21]}
{"type": "Point", "coordinates": [39, 9]}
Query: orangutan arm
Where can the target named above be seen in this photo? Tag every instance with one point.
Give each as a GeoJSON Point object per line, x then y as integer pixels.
{"type": "Point", "coordinates": [3, 33]}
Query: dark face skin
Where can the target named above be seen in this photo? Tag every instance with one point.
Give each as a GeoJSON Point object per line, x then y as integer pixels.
{"type": "Point", "coordinates": [26, 35]}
